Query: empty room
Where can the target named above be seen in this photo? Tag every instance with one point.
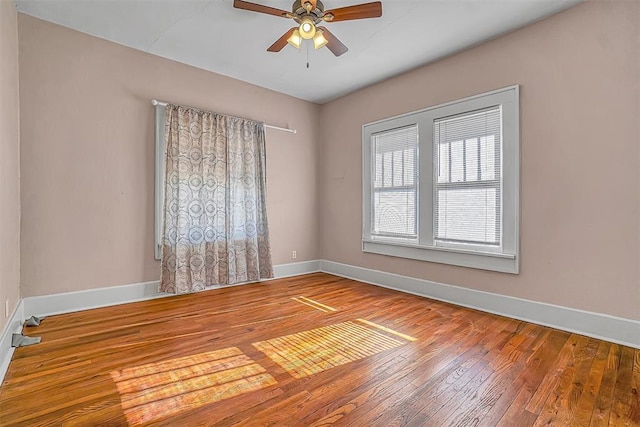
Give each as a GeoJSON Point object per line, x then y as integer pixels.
{"type": "Point", "coordinates": [314, 213]}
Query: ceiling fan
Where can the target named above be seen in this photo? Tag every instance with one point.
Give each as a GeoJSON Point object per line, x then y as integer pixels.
{"type": "Point", "coordinates": [308, 14]}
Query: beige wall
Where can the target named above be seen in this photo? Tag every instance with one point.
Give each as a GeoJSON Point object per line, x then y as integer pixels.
{"type": "Point", "coordinates": [9, 161]}
{"type": "Point", "coordinates": [579, 73]}
{"type": "Point", "coordinates": [87, 153]}
{"type": "Point", "coordinates": [87, 156]}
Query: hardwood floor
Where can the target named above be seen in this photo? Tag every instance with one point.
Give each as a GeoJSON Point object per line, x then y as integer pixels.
{"type": "Point", "coordinates": [314, 350]}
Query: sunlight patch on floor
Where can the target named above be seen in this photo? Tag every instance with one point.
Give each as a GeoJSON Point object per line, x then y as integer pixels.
{"type": "Point", "coordinates": [310, 352]}
{"type": "Point", "coordinates": [314, 304]}
{"type": "Point", "coordinates": [156, 390]}
{"type": "Point", "coordinates": [388, 330]}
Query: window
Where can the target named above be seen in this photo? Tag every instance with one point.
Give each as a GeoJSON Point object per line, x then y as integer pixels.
{"type": "Point", "coordinates": [442, 184]}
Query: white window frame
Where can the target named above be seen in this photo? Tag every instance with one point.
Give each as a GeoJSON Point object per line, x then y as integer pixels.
{"type": "Point", "coordinates": [160, 114]}
{"type": "Point", "coordinates": [505, 258]}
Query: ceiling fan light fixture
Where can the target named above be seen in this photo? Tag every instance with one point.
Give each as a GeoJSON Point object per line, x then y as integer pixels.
{"type": "Point", "coordinates": [307, 28]}
{"type": "Point", "coordinates": [308, 14]}
{"type": "Point", "coordinates": [319, 40]}
{"type": "Point", "coordinates": [295, 40]}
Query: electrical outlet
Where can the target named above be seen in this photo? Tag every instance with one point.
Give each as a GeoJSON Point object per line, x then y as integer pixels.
{"type": "Point", "coordinates": [293, 254]}
{"type": "Point", "coordinates": [6, 308]}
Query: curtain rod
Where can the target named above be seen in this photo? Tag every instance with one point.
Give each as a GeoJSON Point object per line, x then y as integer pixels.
{"type": "Point", "coordinates": [156, 102]}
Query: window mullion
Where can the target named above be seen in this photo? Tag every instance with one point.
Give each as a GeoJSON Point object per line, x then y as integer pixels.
{"type": "Point", "coordinates": [391, 169]}
{"type": "Point", "coordinates": [369, 169]}
{"type": "Point", "coordinates": [426, 179]}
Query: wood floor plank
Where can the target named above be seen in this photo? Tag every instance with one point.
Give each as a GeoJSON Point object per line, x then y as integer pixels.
{"type": "Point", "coordinates": [504, 397]}
{"type": "Point", "coordinates": [476, 403]}
{"type": "Point", "coordinates": [537, 366]}
{"type": "Point", "coordinates": [196, 360]}
{"type": "Point", "coordinates": [363, 402]}
{"type": "Point", "coordinates": [602, 407]}
{"type": "Point", "coordinates": [433, 395]}
{"type": "Point", "coordinates": [556, 409]}
{"type": "Point", "coordinates": [392, 398]}
{"type": "Point", "coordinates": [586, 402]}
{"type": "Point", "coordinates": [551, 380]}
{"type": "Point", "coordinates": [623, 395]}
{"type": "Point", "coordinates": [634, 411]}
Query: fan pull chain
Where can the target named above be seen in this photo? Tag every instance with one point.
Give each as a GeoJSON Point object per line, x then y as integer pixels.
{"type": "Point", "coordinates": [307, 43]}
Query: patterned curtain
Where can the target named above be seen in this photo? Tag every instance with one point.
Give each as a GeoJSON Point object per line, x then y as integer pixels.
{"type": "Point", "coordinates": [215, 220]}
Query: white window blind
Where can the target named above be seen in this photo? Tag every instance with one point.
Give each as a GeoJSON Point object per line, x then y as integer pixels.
{"type": "Point", "coordinates": [467, 182]}
{"type": "Point", "coordinates": [395, 178]}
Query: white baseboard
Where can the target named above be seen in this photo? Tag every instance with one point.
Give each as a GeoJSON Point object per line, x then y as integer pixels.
{"type": "Point", "coordinates": [596, 325]}
{"type": "Point", "coordinates": [296, 269]}
{"type": "Point", "coordinates": [13, 326]}
{"type": "Point", "coordinates": [47, 305]}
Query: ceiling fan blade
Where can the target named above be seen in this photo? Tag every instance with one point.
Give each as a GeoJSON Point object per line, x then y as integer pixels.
{"type": "Point", "coordinates": [240, 4]}
{"type": "Point", "coordinates": [281, 42]}
{"type": "Point", "coordinates": [313, 3]}
{"type": "Point", "coordinates": [358, 11]}
{"type": "Point", "coordinates": [333, 44]}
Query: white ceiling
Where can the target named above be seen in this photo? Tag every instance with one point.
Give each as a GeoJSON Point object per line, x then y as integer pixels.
{"type": "Point", "coordinates": [211, 34]}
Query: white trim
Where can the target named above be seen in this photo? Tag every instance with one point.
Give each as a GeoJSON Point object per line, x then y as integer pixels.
{"type": "Point", "coordinates": [13, 326]}
{"type": "Point", "coordinates": [46, 305]}
{"type": "Point", "coordinates": [446, 104]}
{"type": "Point", "coordinates": [596, 325]}
{"type": "Point", "coordinates": [159, 144]}
{"type": "Point", "coordinates": [68, 302]}
{"type": "Point", "coordinates": [493, 261]}
{"type": "Point", "coordinates": [296, 269]}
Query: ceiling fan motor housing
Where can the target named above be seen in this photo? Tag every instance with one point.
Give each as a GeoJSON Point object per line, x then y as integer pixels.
{"type": "Point", "coordinates": [299, 11]}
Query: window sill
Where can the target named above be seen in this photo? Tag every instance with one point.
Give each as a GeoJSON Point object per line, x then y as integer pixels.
{"type": "Point", "coordinates": [493, 261]}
